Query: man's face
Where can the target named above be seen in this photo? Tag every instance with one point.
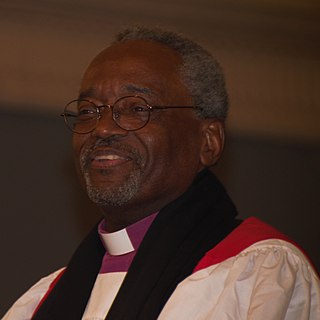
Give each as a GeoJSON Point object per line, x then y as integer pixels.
{"type": "Point", "coordinates": [139, 170]}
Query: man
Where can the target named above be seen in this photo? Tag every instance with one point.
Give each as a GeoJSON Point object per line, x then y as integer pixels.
{"type": "Point", "coordinates": [147, 126]}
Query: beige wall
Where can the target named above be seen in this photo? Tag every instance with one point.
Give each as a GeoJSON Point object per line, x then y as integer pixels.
{"type": "Point", "coordinates": [270, 51]}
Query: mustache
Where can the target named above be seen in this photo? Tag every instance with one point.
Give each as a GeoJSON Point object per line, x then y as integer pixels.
{"type": "Point", "coordinates": [110, 142]}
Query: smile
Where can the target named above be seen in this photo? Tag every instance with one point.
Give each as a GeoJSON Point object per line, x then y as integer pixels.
{"type": "Point", "coordinates": [106, 158]}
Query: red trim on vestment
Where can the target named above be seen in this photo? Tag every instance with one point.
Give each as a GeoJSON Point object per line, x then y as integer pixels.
{"type": "Point", "coordinates": [246, 234]}
{"type": "Point", "coordinates": [52, 285]}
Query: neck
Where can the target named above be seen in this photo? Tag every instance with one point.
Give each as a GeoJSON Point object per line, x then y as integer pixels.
{"type": "Point", "coordinates": [118, 218]}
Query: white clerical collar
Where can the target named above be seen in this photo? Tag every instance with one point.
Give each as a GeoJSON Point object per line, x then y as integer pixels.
{"type": "Point", "coordinates": [116, 243]}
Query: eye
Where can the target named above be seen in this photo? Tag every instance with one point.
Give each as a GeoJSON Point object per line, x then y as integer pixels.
{"type": "Point", "coordinates": [86, 112]}
{"type": "Point", "coordinates": [139, 108]}
{"type": "Point", "coordinates": [130, 107]}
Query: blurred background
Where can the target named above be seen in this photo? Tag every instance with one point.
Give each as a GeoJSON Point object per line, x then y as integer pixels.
{"type": "Point", "coordinates": [270, 51]}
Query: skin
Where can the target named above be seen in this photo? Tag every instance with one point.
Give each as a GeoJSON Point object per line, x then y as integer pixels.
{"type": "Point", "coordinates": [163, 157]}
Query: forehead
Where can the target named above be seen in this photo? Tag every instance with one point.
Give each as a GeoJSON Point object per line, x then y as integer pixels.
{"type": "Point", "coordinates": [151, 53]}
{"type": "Point", "coordinates": [146, 65]}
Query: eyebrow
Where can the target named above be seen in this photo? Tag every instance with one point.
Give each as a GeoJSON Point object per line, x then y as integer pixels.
{"type": "Point", "coordinates": [91, 92]}
{"type": "Point", "coordinates": [130, 88]}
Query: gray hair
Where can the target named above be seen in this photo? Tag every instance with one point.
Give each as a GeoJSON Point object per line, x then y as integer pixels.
{"type": "Point", "coordinates": [200, 71]}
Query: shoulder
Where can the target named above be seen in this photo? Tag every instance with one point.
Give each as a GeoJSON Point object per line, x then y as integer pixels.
{"type": "Point", "coordinates": [25, 306]}
{"type": "Point", "coordinates": [255, 273]}
{"type": "Point", "coordinates": [259, 253]}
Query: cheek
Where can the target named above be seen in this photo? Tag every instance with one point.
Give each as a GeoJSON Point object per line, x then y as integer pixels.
{"type": "Point", "coordinates": [158, 156]}
{"type": "Point", "coordinates": [172, 149]}
{"type": "Point", "coordinates": [185, 136]}
{"type": "Point", "coordinates": [172, 163]}
{"type": "Point", "coordinates": [186, 153]}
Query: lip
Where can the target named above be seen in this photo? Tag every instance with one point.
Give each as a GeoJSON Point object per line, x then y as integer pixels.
{"type": "Point", "coordinates": [103, 158]}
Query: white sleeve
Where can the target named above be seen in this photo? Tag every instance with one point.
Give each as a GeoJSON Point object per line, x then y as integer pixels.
{"type": "Point", "coordinates": [285, 286]}
{"type": "Point", "coordinates": [270, 280]}
{"type": "Point", "coordinates": [24, 307]}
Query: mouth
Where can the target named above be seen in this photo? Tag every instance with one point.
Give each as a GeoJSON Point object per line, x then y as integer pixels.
{"type": "Point", "coordinates": [104, 158]}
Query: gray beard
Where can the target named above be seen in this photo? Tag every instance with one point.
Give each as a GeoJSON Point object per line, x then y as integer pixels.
{"type": "Point", "coordinates": [114, 196]}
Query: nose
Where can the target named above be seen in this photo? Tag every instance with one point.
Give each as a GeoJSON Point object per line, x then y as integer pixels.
{"type": "Point", "coordinates": [106, 126]}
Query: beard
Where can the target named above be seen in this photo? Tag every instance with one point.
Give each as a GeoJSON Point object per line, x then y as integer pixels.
{"type": "Point", "coordinates": [112, 195]}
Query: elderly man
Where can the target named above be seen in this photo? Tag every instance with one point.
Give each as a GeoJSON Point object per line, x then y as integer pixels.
{"type": "Point", "coordinates": [147, 126]}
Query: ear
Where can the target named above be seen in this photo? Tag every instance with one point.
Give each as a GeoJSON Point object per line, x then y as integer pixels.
{"type": "Point", "coordinates": [212, 141]}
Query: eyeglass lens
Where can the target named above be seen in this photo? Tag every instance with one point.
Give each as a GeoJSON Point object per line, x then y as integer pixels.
{"type": "Point", "coordinates": [129, 113]}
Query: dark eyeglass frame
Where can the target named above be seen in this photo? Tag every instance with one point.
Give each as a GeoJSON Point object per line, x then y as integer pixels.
{"type": "Point", "coordinates": [150, 108]}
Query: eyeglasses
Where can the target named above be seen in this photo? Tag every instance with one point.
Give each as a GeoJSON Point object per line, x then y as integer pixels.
{"type": "Point", "coordinates": [129, 113]}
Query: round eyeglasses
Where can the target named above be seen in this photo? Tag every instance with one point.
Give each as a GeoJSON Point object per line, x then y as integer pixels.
{"type": "Point", "coordinates": [129, 113]}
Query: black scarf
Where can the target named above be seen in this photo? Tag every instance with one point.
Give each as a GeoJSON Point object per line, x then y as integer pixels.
{"type": "Point", "coordinates": [181, 234]}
